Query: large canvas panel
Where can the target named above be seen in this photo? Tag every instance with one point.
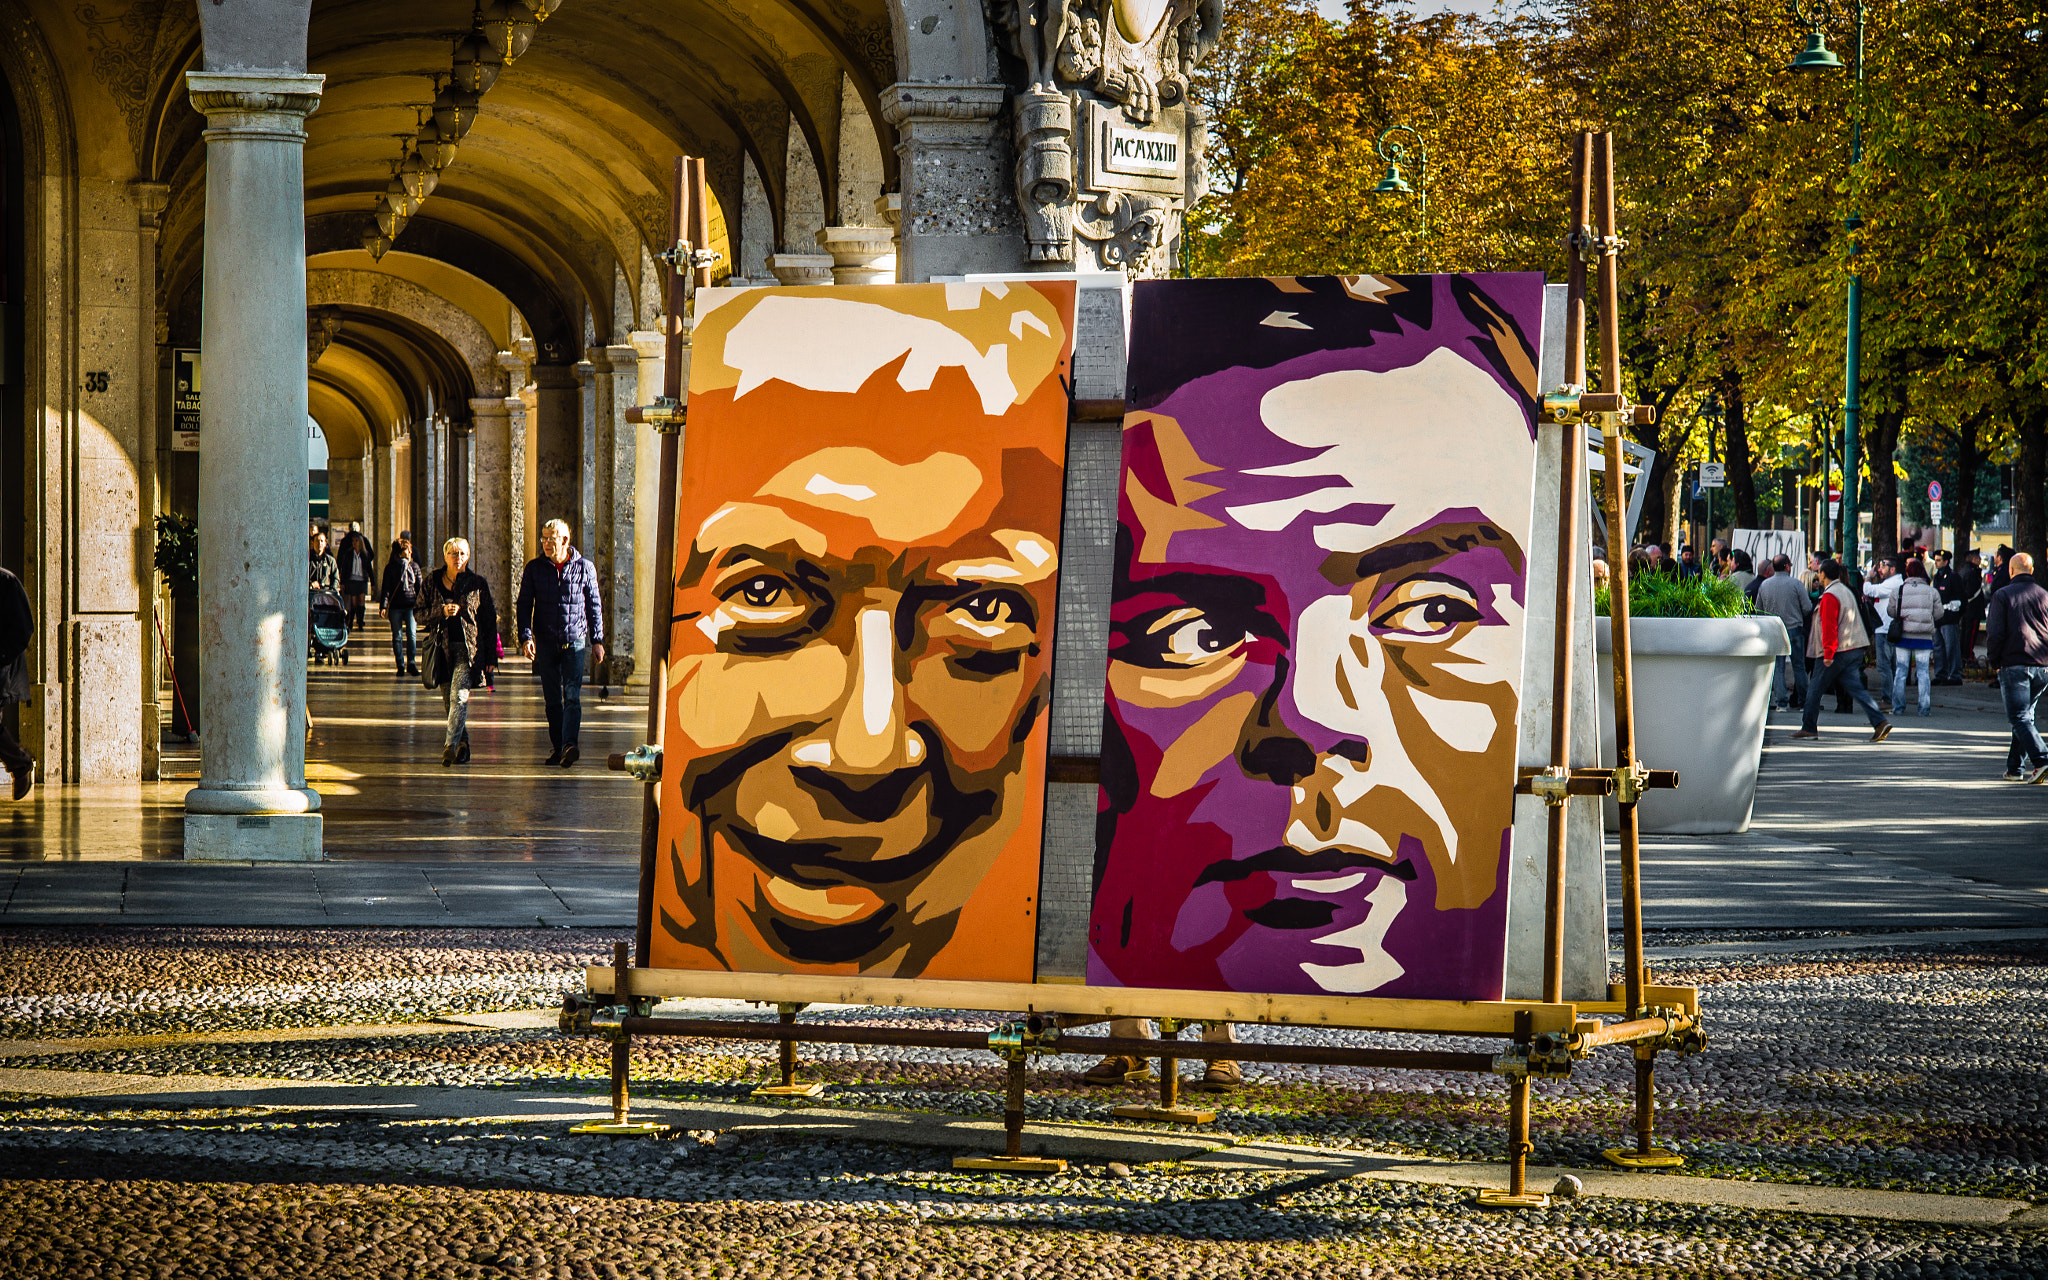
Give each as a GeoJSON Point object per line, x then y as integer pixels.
{"type": "Point", "coordinates": [1316, 636]}
{"type": "Point", "coordinates": [867, 562]}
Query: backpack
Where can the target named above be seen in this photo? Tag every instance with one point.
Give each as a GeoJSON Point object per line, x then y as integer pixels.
{"type": "Point", "coordinates": [406, 593]}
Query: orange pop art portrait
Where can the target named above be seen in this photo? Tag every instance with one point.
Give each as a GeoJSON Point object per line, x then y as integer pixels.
{"type": "Point", "coordinates": [860, 654]}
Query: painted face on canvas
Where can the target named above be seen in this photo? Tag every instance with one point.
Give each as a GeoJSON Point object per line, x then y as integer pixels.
{"type": "Point", "coordinates": [1314, 658]}
{"type": "Point", "coordinates": [861, 659]}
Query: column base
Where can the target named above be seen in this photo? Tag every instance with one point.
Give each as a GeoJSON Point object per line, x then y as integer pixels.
{"type": "Point", "coordinates": [252, 837]}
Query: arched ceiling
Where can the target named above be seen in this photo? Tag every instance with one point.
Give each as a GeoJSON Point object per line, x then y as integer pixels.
{"type": "Point", "coordinates": [392, 370]}
{"type": "Point", "coordinates": [562, 183]}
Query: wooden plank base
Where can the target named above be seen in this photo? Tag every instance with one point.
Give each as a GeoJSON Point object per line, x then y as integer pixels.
{"type": "Point", "coordinates": [811, 1090]}
{"type": "Point", "coordinates": [1164, 1115]}
{"type": "Point", "coordinates": [635, 1129]}
{"type": "Point", "coordinates": [1010, 1164]}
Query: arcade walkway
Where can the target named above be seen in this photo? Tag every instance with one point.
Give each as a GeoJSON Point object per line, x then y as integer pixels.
{"type": "Point", "coordinates": [375, 759]}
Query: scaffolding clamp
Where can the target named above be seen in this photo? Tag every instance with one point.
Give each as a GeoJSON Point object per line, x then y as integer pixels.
{"type": "Point", "coordinates": [1547, 1057]}
{"type": "Point", "coordinates": [1553, 784]}
{"type": "Point", "coordinates": [1562, 405]}
{"type": "Point", "coordinates": [1015, 1041]}
{"type": "Point", "coordinates": [643, 762]}
{"type": "Point", "coordinates": [665, 415]}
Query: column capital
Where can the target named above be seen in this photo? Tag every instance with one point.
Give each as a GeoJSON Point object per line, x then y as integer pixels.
{"type": "Point", "coordinates": [624, 358]}
{"type": "Point", "coordinates": [907, 102]}
{"type": "Point", "coordinates": [649, 344]}
{"type": "Point", "coordinates": [273, 102]}
{"type": "Point", "coordinates": [488, 407]}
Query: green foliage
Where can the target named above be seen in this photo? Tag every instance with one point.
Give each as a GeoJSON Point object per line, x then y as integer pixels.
{"type": "Point", "coordinates": [177, 555]}
{"type": "Point", "coordinates": [1666, 595]}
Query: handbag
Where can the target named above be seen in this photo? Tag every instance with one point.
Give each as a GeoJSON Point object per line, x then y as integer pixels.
{"type": "Point", "coordinates": [1897, 630]}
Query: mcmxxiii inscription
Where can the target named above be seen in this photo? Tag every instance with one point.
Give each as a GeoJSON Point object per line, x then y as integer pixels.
{"type": "Point", "coordinates": [1133, 151]}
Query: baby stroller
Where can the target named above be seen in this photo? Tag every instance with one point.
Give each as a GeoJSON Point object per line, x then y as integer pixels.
{"type": "Point", "coordinates": [328, 624]}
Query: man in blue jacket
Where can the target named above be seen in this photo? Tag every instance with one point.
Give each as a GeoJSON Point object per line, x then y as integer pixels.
{"type": "Point", "coordinates": [560, 618]}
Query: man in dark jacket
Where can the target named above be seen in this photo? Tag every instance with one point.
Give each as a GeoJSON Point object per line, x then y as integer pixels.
{"type": "Point", "coordinates": [2016, 647]}
{"type": "Point", "coordinates": [17, 626]}
{"type": "Point", "coordinates": [560, 619]}
{"type": "Point", "coordinates": [1970, 582]}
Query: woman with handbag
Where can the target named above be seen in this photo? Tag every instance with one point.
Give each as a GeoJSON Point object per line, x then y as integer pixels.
{"type": "Point", "coordinates": [460, 624]}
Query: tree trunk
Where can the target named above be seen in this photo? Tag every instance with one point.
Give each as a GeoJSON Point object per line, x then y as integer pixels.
{"type": "Point", "coordinates": [1969, 460]}
{"type": "Point", "coordinates": [1741, 475]}
{"type": "Point", "coordinates": [2030, 485]}
{"type": "Point", "coordinates": [1879, 445]}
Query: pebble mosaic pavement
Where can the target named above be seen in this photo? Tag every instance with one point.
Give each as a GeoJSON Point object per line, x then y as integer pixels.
{"type": "Point", "coordinates": [1903, 1068]}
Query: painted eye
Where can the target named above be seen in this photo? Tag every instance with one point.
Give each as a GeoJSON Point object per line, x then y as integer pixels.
{"type": "Point", "coordinates": [1425, 609]}
{"type": "Point", "coordinates": [763, 591]}
{"type": "Point", "coordinates": [991, 607]}
{"type": "Point", "coordinates": [1189, 638]}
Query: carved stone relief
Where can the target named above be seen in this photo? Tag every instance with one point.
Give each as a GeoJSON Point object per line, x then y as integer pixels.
{"type": "Point", "coordinates": [1109, 147]}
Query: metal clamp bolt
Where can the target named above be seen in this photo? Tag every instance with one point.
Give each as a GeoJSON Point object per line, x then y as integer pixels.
{"type": "Point", "coordinates": [1016, 1040]}
{"type": "Point", "coordinates": [1553, 784]}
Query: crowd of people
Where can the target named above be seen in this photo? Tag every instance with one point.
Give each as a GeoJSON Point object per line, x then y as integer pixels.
{"type": "Point", "coordinates": [1916, 617]}
{"type": "Point", "coordinates": [445, 631]}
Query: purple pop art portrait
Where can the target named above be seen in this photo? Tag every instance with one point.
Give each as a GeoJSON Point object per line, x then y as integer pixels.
{"type": "Point", "coordinates": [1316, 636]}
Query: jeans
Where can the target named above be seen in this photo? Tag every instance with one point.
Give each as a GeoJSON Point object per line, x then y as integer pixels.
{"type": "Point", "coordinates": [1903, 661]}
{"type": "Point", "coordinates": [1788, 681]}
{"type": "Point", "coordinates": [1948, 641]}
{"type": "Point", "coordinates": [560, 668]}
{"type": "Point", "coordinates": [405, 639]}
{"type": "Point", "coordinates": [1884, 663]}
{"type": "Point", "coordinates": [455, 697]}
{"type": "Point", "coordinates": [1845, 672]}
{"type": "Point", "coordinates": [2023, 687]}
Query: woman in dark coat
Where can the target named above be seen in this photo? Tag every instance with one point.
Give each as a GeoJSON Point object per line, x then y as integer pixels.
{"type": "Point", "coordinates": [460, 624]}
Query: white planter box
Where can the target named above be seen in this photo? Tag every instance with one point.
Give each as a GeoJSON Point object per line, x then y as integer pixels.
{"type": "Point", "coordinates": [1702, 692]}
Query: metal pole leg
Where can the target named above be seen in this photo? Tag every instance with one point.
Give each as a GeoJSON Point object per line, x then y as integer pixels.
{"type": "Point", "coordinates": [622, 1066]}
{"type": "Point", "coordinates": [1647, 1155]}
{"type": "Point", "coordinates": [622, 1057]}
{"type": "Point", "coordinates": [1168, 1108]}
{"type": "Point", "coordinates": [1013, 1159]}
{"type": "Point", "coordinates": [1518, 1195]}
{"type": "Point", "coordinates": [789, 1088]}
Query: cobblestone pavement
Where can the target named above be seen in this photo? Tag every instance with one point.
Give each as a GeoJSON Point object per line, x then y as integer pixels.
{"type": "Point", "coordinates": [1903, 1067]}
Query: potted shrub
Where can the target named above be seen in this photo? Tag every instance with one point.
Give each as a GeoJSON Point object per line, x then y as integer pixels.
{"type": "Point", "coordinates": [177, 558]}
{"type": "Point", "coordinates": [1702, 692]}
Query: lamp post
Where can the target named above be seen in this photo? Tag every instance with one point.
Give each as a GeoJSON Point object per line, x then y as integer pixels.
{"type": "Point", "coordinates": [1817, 57]}
{"type": "Point", "coordinates": [1395, 153]}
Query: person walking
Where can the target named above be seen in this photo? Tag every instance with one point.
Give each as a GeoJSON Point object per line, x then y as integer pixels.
{"type": "Point", "coordinates": [1784, 597]}
{"type": "Point", "coordinates": [321, 572]}
{"type": "Point", "coordinates": [398, 596]}
{"type": "Point", "coordinates": [560, 618]}
{"type": "Point", "coordinates": [1840, 641]}
{"type": "Point", "coordinates": [357, 561]}
{"type": "Point", "coordinates": [1741, 571]}
{"type": "Point", "coordinates": [17, 628]}
{"type": "Point", "coordinates": [1916, 612]}
{"type": "Point", "coordinates": [460, 623]}
{"type": "Point", "coordinates": [2016, 647]}
{"type": "Point", "coordinates": [1882, 591]}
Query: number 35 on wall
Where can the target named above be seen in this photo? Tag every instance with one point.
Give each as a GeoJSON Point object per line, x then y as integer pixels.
{"type": "Point", "coordinates": [98, 381]}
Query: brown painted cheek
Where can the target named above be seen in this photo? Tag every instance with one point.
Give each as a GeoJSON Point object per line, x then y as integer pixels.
{"type": "Point", "coordinates": [1473, 787]}
{"type": "Point", "coordinates": [725, 700]}
{"type": "Point", "coordinates": [973, 717]}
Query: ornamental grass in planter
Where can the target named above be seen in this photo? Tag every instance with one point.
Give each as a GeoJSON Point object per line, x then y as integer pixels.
{"type": "Point", "coordinates": [1702, 691]}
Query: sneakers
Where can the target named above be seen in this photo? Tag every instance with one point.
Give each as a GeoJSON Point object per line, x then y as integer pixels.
{"type": "Point", "coordinates": [2011, 776]}
{"type": "Point", "coordinates": [2036, 775]}
{"type": "Point", "coordinates": [1116, 1070]}
{"type": "Point", "coordinates": [554, 757]}
{"type": "Point", "coordinates": [570, 755]}
{"type": "Point", "coordinates": [1222, 1076]}
{"type": "Point", "coordinates": [1883, 731]}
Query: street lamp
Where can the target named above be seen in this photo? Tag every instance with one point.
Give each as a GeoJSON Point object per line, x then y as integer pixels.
{"type": "Point", "coordinates": [1395, 154]}
{"type": "Point", "coordinates": [1817, 57]}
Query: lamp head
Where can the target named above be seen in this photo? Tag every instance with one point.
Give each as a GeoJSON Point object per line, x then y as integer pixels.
{"type": "Point", "coordinates": [1393, 184]}
{"type": "Point", "coordinates": [1816, 56]}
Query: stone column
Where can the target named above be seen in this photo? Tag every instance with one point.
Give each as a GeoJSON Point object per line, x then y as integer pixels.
{"type": "Point", "coordinates": [583, 525]}
{"type": "Point", "coordinates": [150, 200]}
{"type": "Point", "coordinates": [959, 213]}
{"type": "Point", "coordinates": [860, 255]}
{"type": "Point", "coordinates": [620, 470]}
{"type": "Point", "coordinates": [652, 349]}
{"type": "Point", "coordinates": [801, 268]}
{"type": "Point", "coordinates": [490, 542]}
{"type": "Point", "coordinates": [252, 801]}
{"type": "Point", "coordinates": [558, 467]}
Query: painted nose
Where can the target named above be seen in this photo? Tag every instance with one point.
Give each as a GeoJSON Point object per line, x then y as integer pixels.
{"type": "Point", "coordinates": [869, 732]}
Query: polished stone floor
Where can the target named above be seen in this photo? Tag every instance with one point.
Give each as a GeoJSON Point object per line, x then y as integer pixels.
{"type": "Point", "coordinates": [375, 759]}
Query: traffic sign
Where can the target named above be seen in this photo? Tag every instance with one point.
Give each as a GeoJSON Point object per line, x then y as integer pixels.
{"type": "Point", "coordinates": [1713, 475]}
{"type": "Point", "coordinates": [1934, 491]}
{"type": "Point", "coordinates": [1934, 511]}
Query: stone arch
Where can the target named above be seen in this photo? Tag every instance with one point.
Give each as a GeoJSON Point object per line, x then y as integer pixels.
{"type": "Point", "coordinates": [376, 291]}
